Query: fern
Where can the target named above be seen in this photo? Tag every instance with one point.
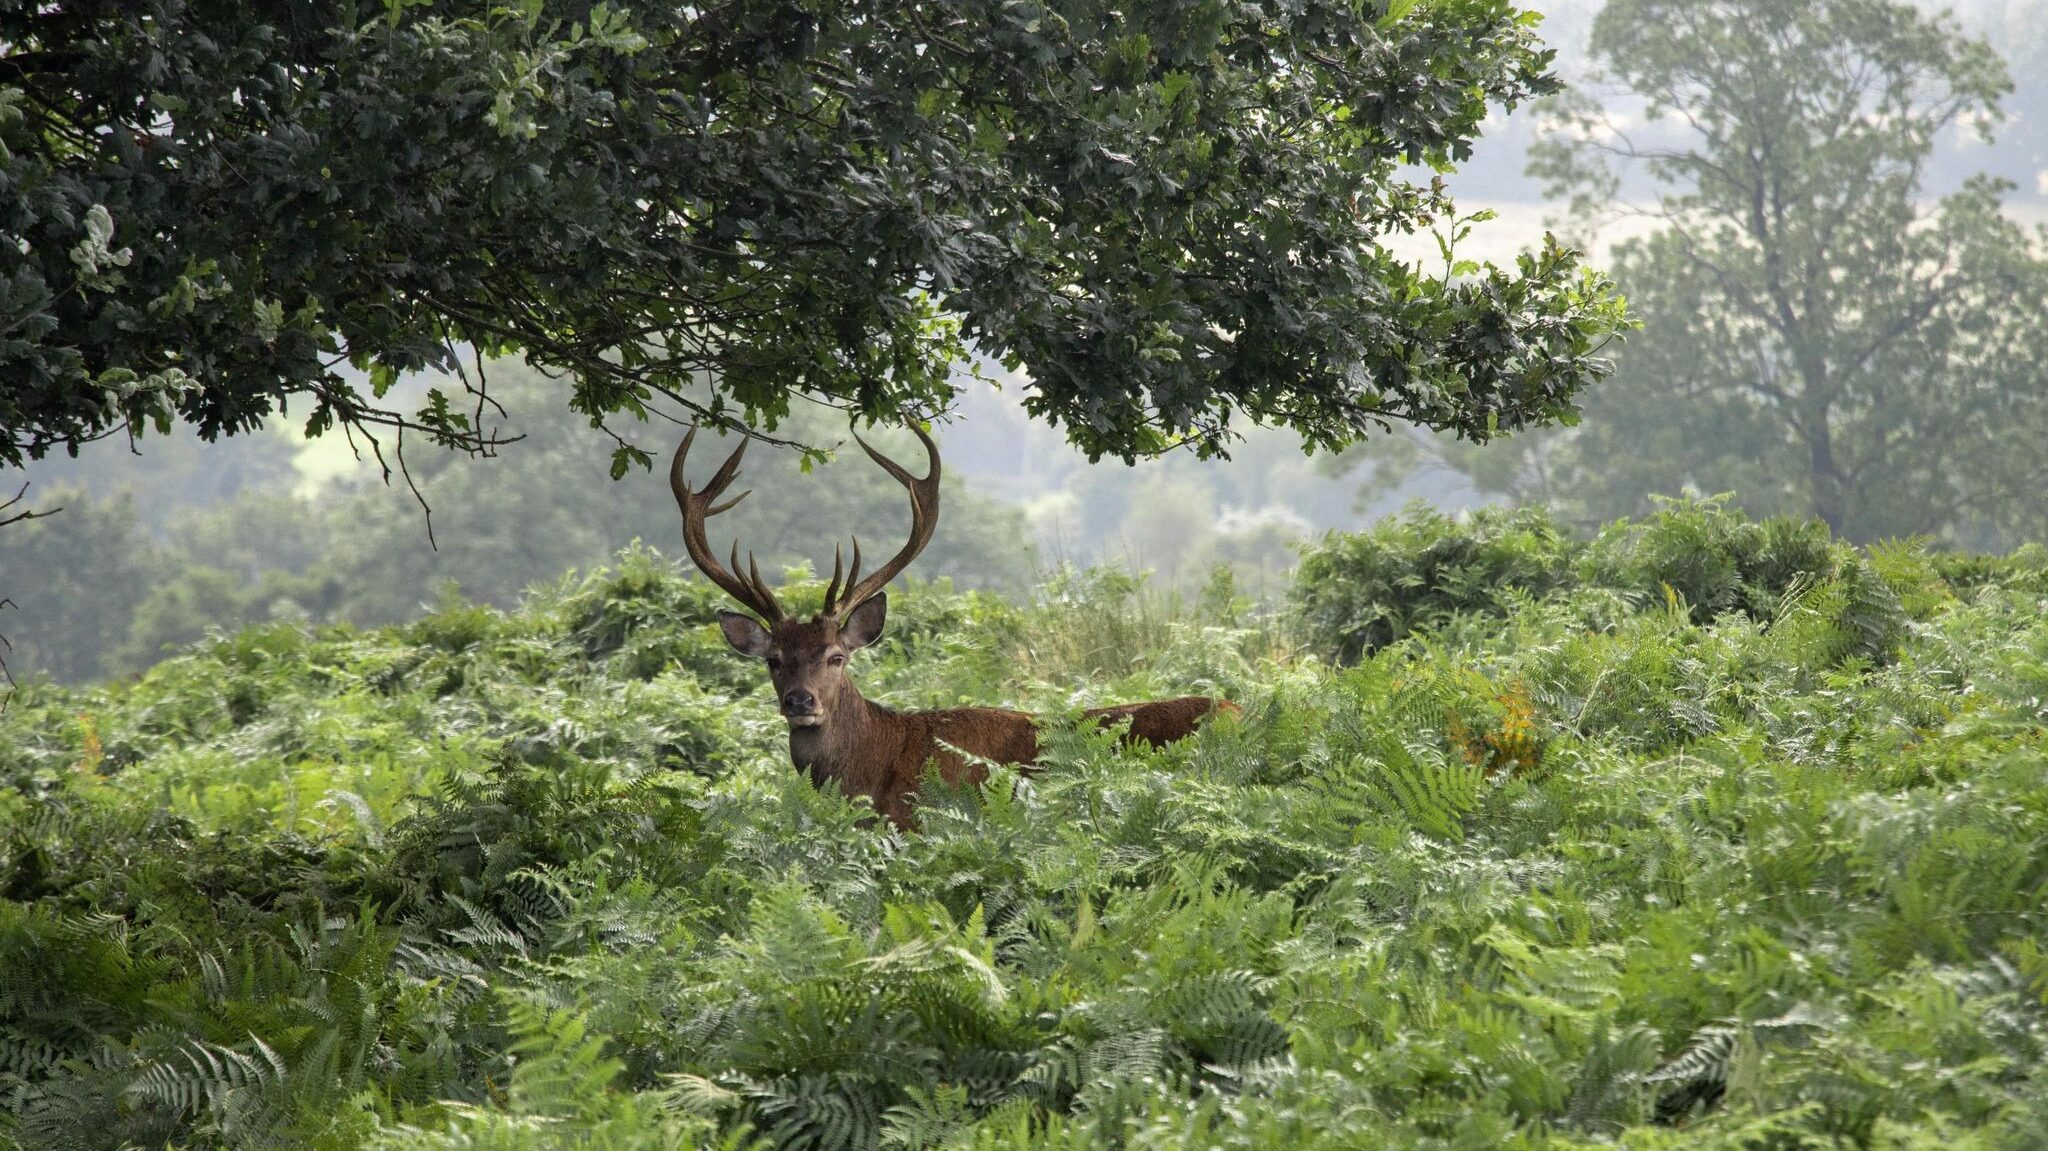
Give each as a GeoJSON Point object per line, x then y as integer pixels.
{"type": "Point", "coordinates": [821, 1112]}
{"type": "Point", "coordinates": [928, 1120]}
{"type": "Point", "coordinates": [1424, 787]}
{"type": "Point", "coordinates": [1450, 895]}
{"type": "Point", "coordinates": [230, 1088]}
{"type": "Point", "coordinates": [1696, 1078]}
{"type": "Point", "coordinates": [1607, 1089]}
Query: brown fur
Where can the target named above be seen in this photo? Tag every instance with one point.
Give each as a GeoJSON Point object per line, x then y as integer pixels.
{"type": "Point", "coordinates": [881, 753]}
{"type": "Point", "coordinates": [1162, 721]}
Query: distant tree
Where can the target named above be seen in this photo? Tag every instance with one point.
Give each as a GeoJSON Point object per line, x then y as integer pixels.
{"type": "Point", "coordinates": [190, 598]}
{"type": "Point", "coordinates": [1166, 213]}
{"type": "Point", "coordinates": [1168, 525]}
{"type": "Point", "coordinates": [166, 474]}
{"type": "Point", "coordinates": [76, 579]}
{"type": "Point", "coordinates": [1820, 335]}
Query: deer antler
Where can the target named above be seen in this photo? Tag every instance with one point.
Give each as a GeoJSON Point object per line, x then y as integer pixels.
{"type": "Point", "coordinates": [750, 590]}
{"type": "Point", "coordinates": [924, 520]}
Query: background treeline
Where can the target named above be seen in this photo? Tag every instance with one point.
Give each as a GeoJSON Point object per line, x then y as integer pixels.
{"type": "Point", "coordinates": [240, 537]}
{"type": "Point", "coordinates": [154, 550]}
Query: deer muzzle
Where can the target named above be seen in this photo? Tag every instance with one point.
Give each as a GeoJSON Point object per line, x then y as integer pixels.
{"type": "Point", "coordinates": [801, 709]}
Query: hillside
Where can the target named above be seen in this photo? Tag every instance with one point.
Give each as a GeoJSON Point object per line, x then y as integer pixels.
{"type": "Point", "coordinates": [1702, 834]}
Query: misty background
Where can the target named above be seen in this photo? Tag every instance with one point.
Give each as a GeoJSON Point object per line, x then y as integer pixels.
{"type": "Point", "coordinates": [161, 541]}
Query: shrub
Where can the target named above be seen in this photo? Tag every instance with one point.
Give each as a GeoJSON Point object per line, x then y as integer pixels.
{"type": "Point", "coordinates": [1356, 594]}
{"type": "Point", "coordinates": [1711, 558]}
{"type": "Point", "coordinates": [1423, 571]}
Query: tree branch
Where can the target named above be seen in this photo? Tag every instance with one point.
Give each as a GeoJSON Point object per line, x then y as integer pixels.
{"type": "Point", "coordinates": [24, 514]}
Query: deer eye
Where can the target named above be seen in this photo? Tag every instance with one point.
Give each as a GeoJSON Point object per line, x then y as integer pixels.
{"type": "Point", "coordinates": [836, 659]}
{"type": "Point", "coordinates": [773, 663]}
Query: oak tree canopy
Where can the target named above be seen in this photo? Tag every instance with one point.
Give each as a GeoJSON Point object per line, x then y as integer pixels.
{"type": "Point", "coordinates": [1166, 213]}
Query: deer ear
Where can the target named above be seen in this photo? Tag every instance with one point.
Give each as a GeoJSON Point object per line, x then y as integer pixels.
{"type": "Point", "coordinates": [746, 636]}
{"type": "Point", "coordinates": [863, 624]}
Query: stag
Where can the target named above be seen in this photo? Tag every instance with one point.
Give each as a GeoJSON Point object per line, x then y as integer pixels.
{"type": "Point", "coordinates": [835, 733]}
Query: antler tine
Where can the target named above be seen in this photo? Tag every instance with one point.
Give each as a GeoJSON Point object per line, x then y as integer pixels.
{"type": "Point", "coordinates": [838, 569]}
{"type": "Point", "coordinates": [852, 576]}
{"type": "Point", "coordinates": [924, 520]}
{"type": "Point", "coordinates": [760, 593]}
{"type": "Point", "coordinates": [697, 507]}
{"type": "Point", "coordinates": [760, 585]}
{"type": "Point", "coordinates": [727, 505]}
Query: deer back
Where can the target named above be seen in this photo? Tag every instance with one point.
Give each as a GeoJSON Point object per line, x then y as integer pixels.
{"type": "Point", "coordinates": [963, 741]}
{"type": "Point", "coordinates": [1159, 722]}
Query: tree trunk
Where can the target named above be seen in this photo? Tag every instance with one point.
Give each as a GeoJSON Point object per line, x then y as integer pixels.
{"type": "Point", "coordinates": [1824, 478]}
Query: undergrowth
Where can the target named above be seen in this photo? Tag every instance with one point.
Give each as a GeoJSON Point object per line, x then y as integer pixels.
{"type": "Point", "coordinates": [1704, 834]}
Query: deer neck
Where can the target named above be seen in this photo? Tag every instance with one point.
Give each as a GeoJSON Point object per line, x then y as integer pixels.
{"type": "Point", "coordinates": [855, 745]}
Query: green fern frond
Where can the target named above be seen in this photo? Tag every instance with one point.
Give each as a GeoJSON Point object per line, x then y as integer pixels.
{"type": "Point", "coordinates": [818, 1113]}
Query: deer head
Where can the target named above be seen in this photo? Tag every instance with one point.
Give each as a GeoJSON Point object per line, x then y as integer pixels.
{"type": "Point", "coordinates": [806, 657]}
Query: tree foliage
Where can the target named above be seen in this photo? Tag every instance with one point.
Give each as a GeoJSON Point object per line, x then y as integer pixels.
{"type": "Point", "coordinates": [1165, 213]}
{"type": "Point", "coordinates": [1822, 336]}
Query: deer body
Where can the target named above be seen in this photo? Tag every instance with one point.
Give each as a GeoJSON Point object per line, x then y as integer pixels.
{"type": "Point", "coordinates": [881, 753]}
{"type": "Point", "coordinates": [837, 734]}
